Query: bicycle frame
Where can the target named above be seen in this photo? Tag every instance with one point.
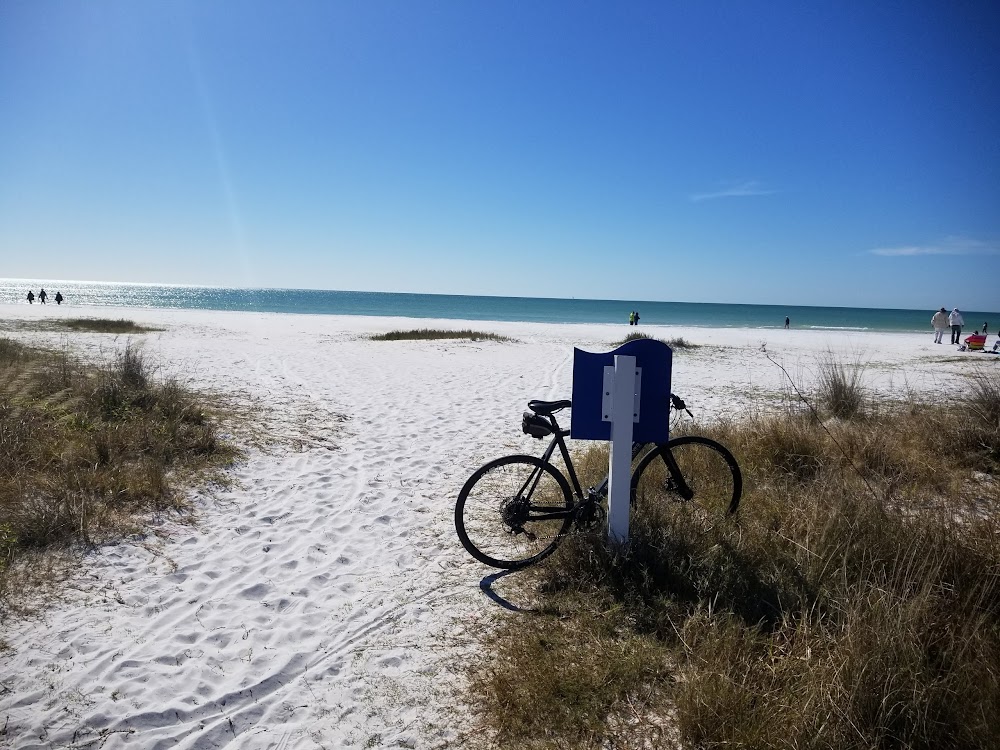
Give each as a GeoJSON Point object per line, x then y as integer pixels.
{"type": "Point", "coordinates": [559, 440]}
{"type": "Point", "coordinates": [541, 513]}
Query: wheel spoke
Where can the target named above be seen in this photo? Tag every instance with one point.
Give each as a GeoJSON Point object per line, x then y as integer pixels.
{"type": "Point", "coordinates": [499, 525]}
{"type": "Point", "coordinates": [706, 469]}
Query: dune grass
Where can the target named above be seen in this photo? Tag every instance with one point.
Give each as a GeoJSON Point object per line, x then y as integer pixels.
{"type": "Point", "coordinates": [86, 451]}
{"type": "Point", "coordinates": [678, 342]}
{"type": "Point", "coordinates": [85, 325]}
{"type": "Point", "coordinates": [854, 602]}
{"type": "Point", "coordinates": [106, 325]}
{"type": "Point", "coordinates": [841, 388]}
{"type": "Point", "coordinates": [429, 334]}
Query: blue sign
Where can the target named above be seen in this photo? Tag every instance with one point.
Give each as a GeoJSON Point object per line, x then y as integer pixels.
{"type": "Point", "coordinates": [655, 359]}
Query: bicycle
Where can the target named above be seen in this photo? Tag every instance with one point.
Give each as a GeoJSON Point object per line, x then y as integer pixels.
{"type": "Point", "coordinates": [514, 511]}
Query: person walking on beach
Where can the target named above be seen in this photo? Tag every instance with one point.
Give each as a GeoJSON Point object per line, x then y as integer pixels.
{"type": "Point", "coordinates": [985, 326]}
{"type": "Point", "coordinates": [940, 323]}
{"type": "Point", "coordinates": [59, 298]}
{"type": "Point", "coordinates": [41, 296]}
{"type": "Point", "coordinates": [31, 297]}
{"type": "Point", "coordinates": [787, 322]}
{"type": "Point", "coordinates": [956, 322]}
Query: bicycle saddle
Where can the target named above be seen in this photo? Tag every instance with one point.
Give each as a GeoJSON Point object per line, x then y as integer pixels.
{"type": "Point", "coordinates": [549, 407]}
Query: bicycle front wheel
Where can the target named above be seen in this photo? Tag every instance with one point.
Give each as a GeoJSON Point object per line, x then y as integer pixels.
{"type": "Point", "coordinates": [691, 469]}
{"type": "Point", "coordinates": [512, 511]}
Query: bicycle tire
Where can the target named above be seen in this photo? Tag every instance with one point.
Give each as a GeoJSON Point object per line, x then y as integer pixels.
{"type": "Point", "coordinates": [486, 506]}
{"type": "Point", "coordinates": [707, 467]}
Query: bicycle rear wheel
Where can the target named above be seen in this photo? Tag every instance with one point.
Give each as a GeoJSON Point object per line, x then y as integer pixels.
{"type": "Point", "coordinates": [692, 465]}
{"type": "Point", "coordinates": [512, 511]}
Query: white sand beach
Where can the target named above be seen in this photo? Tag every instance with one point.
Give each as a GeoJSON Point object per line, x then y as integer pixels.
{"type": "Point", "coordinates": [323, 600]}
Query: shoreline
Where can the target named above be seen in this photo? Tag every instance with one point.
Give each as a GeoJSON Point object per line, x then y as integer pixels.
{"type": "Point", "coordinates": [24, 311]}
{"type": "Point", "coordinates": [549, 310]}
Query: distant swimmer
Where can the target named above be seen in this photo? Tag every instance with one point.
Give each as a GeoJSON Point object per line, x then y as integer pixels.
{"type": "Point", "coordinates": [31, 297]}
{"type": "Point", "coordinates": [59, 298]}
{"type": "Point", "coordinates": [788, 323]}
{"type": "Point", "coordinates": [41, 296]}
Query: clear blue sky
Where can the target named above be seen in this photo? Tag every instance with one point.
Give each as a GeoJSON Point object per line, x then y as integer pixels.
{"type": "Point", "coordinates": [823, 153]}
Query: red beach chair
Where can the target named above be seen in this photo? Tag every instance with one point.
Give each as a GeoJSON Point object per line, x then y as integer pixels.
{"type": "Point", "coordinates": [975, 342]}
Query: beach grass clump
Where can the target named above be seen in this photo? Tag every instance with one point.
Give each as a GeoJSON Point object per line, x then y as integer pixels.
{"type": "Point", "coordinates": [854, 600]}
{"type": "Point", "coordinates": [86, 451]}
{"type": "Point", "coordinates": [841, 388]}
{"type": "Point", "coordinates": [84, 325]}
{"type": "Point", "coordinates": [636, 336]}
{"type": "Point", "coordinates": [983, 398]}
{"type": "Point", "coordinates": [678, 342]}
{"type": "Point", "coordinates": [432, 334]}
{"type": "Point", "coordinates": [106, 325]}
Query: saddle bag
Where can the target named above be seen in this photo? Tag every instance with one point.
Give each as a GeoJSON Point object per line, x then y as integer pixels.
{"type": "Point", "coordinates": [534, 425]}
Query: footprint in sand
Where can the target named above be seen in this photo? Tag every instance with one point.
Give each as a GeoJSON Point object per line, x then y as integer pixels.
{"type": "Point", "coordinates": [256, 592]}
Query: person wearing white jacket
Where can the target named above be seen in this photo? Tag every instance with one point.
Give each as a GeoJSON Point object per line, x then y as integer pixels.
{"type": "Point", "coordinates": [956, 322]}
{"type": "Point", "coordinates": [940, 323]}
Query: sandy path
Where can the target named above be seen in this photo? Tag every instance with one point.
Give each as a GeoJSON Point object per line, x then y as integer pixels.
{"type": "Point", "coordinates": [324, 599]}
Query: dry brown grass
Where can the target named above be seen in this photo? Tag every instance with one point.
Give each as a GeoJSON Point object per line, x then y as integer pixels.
{"type": "Point", "coordinates": [854, 602]}
{"type": "Point", "coordinates": [433, 334]}
{"type": "Point", "coordinates": [87, 451]}
{"type": "Point", "coordinates": [106, 325]}
{"type": "Point", "coordinates": [86, 325]}
{"type": "Point", "coordinates": [678, 342]}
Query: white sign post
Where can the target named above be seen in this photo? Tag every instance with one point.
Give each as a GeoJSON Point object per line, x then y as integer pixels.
{"type": "Point", "coordinates": [620, 406]}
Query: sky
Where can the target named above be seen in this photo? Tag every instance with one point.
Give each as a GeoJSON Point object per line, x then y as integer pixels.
{"type": "Point", "coordinates": [763, 152]}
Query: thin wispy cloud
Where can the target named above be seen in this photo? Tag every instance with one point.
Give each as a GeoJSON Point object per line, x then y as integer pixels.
{"type": "Point", "coordinates": [740, 190]}
{"type": "Point", "coordinates": [948, 246]}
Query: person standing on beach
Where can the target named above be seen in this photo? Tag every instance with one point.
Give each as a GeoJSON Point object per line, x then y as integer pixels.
{"type": "Point", "coordinates": [31, 297]}
{"type": "Point", "coordinates": [956, 322]}
{"type": "Point", "coordinates": [985, 326]}
{"type": "Point", "coordinates": [637, 317]}
{"type": "Point", "coordinates": [940, 323]}
{"type": "Point", "coordinates": [59, 298]}
{"type": "Point", "coordinates": [787, 322]}
{"type": "Point", "coordinates": [631, 318]}
{"type": "Point", "coordinates": [41, 296]}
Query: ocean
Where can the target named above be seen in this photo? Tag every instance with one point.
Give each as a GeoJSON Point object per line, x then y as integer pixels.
{"type": "Point", "coordinates": [82, 294]}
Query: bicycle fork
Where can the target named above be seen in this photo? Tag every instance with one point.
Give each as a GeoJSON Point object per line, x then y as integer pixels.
{"type": "Point", "coordinates": [677, 476]}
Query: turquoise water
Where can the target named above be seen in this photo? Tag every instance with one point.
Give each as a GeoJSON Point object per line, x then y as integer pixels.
{"type": "Point", "coordinates": [97, 294]}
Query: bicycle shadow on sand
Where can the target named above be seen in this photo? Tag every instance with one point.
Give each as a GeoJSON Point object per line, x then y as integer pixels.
{"type": "Point", "coordinates": [486, 586]}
